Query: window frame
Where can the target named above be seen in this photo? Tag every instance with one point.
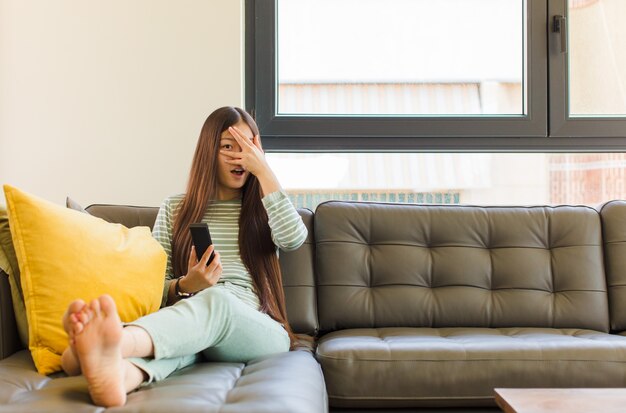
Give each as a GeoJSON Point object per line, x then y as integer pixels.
{"type": "Point", "coordinates": [297, 133]}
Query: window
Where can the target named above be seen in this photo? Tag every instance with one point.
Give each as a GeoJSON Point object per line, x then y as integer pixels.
{"type": "Point", "coordinates": [441, 101]}
{"type": "Point", "coordinates": [444, 75]}
{"type": "Point", "coordinates": [452, 178]}
{"type": "Point", "coordinates": [372, 58]}
{"type": "Point", "coordinates": [588, 68]}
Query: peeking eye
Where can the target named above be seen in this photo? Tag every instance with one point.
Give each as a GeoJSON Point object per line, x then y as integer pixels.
{"type": "Point", "coordinates": [228, 147]}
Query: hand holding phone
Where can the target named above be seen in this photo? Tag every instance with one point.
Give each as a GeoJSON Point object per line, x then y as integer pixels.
{"type": "Point", "coordinates": [201, 239]}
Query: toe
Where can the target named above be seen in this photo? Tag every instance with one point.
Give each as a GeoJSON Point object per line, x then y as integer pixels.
{"type": "Point", "coordinates": [94, 306]}
{"type": "Point", "coordinates": [77, 328]}
{"type": "Point", "coordinates": [76, 306]}
{"type": "Point", "coordinates": [107, 305]}
{"type": "Point", "coordinates": [68, 317]}
{"type": "Point", "coordinates": [83, 316]}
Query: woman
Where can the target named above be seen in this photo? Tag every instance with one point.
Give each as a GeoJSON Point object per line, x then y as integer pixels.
{"type": "Point", "coordinates": [230, 310]}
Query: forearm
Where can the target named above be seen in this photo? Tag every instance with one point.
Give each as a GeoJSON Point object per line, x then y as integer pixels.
{"type": "Point", "coordinates": [171, 293]}
{"type": "Point", "coordinates": [288, 230]}
{"type": "Point", "coordinates": [268, 181]}
{"type": "Point", "coordinates": [183, 287]}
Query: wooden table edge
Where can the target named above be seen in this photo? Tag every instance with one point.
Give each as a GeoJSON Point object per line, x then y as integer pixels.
{"type": "Point", "coordinates": [501, 402]}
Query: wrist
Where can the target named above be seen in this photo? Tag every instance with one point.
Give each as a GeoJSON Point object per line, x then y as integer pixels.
{"type": "Point", "coordinates": [183, 284]}
{"type": "Point", "coordinates": [269, 183]}
{"type": "Point", "coordinates": [181, 288]}
{"type": "Point", "coordinates": [266, 174]}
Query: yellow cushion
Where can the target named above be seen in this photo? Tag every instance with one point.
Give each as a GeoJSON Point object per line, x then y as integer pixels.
{"type": "Point", "coordinates": [64, 254]}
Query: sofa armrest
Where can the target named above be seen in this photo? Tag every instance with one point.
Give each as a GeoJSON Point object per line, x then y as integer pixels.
{"type": "Point", "coordinates": [9, 340]}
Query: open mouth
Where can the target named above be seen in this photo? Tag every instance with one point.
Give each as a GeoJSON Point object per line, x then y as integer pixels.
{"type": "Point", "coordinates": [238, 171]}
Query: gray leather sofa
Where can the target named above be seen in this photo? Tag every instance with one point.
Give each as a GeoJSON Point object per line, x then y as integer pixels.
{"type": "Point", "coordinates": [412, 307]}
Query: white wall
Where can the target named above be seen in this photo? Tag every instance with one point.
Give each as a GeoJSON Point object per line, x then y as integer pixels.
{"type": "Point", "coordinates": [103, 100]}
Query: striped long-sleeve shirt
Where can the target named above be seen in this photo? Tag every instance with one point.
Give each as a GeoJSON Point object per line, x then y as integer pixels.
{"type": "Point", "coordinates": [288, 233]}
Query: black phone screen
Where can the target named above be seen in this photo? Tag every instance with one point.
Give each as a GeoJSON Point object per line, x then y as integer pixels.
{"type": "Point", "coordinates": [201, 239]}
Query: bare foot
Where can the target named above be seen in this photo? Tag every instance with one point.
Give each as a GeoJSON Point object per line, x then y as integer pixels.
{"type": "Point", "coordinates": [75, 312]}
{"type": "Point", "coordinates": [97, 344]}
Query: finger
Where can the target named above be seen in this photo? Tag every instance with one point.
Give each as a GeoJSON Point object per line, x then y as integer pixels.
{"type": "Point", "coordinates": [240, 137]}
{"type": "Point", "coordinates": [192, 257]}
{"type": "Point", "coordinates": [232, 154]}
{"type": "Point", "coordinates": [216, 274]}
{"type": "Point", "coordinates": [215, 277]}
{"type": "Point", "coordinates": [234, 161]}
{"type": "Point", "coordinates": [207, 254]}
{"type": "Point", "coordinates": [217, 261]}
{"type": "Point", "coordinates": [257, 142]}
{"type": "Point", "coordinates": [235, 134]}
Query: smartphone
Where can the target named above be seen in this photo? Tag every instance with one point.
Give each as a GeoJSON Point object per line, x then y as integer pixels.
{"type": "Point", "coordinates": [201, 239]}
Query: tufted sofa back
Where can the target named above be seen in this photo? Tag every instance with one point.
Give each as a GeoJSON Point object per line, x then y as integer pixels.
{"type": "Point", "coordinates": [613, 215]}
{"type": "Point", "coordinates": [386, 265]}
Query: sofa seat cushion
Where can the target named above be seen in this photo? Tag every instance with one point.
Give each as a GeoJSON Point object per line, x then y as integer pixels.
{"type": "Point", "coordinates": [416, 367]}
{"type": "Point", "coordinates": [290, 382]}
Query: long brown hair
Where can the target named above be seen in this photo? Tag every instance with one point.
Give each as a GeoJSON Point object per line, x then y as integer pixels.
{"type": "Point", "coordinates": [256, 247]}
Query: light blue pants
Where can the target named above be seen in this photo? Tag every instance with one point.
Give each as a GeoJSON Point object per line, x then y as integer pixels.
{"type": "Point", "coordinates": [213, 323]}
